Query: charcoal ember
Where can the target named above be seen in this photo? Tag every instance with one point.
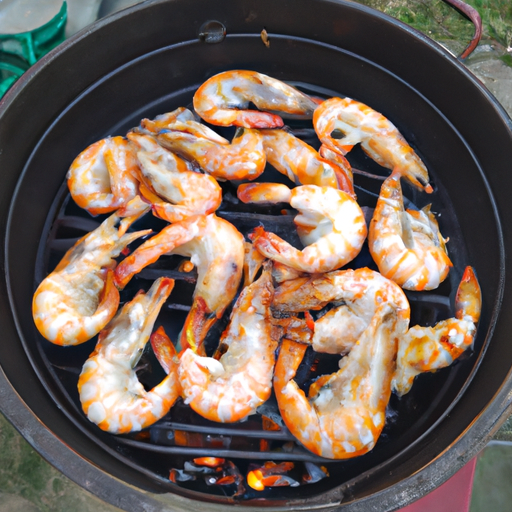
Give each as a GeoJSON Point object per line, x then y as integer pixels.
{"type": "Point", "coordinates": [214, 471]}
{"type": "Point", "coordinates": [179, 475]}
{"type": "Point", "coordinates": [229, 475]}
{"type": "Point", "coordinates": [271, 475]}
{"type": "Point", "coordinates": [211, 462]}
{"type": "Point", "coordinates": [191, 467]}
{"type": "Point", "coordinates": [313, 473]}
{"type": "Point", "coordinates": [270, 410]}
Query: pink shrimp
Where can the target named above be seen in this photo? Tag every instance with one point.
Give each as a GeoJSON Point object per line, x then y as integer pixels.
{"type": "Point", "coordinates": [355, 123]}
{"type": "Point", "coordinates": [361, 292]}
{"type": "Point", "coordinates": [344, 413]}
{"type": "Point", "coordinates": [216, 248]}
{"type": "Point", "coordinates": [77, 300]}
{"type": "Point", "coordinates": [242, 159]}
{"type": "Point", "coordinates": [407, 244]}
{"type": "Point", "coordinates": [111, 395]}
{"type": "Point", "coordinates": [427, 349]}
{"type": "Point", "coordinates": [330, 224]}
{"type": "Point", "coordinates": [104, 177]}
{"type": "Point", "coordinates": [232, 387]}
{"type": "Point", "coordinates": [223, 100]}
{"type": "Point", "coordinates": [302, 164]}
{"type": "Point", "coordinates": [174, 188]}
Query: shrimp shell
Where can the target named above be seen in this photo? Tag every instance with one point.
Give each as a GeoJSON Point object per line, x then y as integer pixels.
{"type": "Point", "coordinates": [223, 100]}
{"type": "Point", "coordinates": [379, 138]}
{"type": "Point", "coordinates": [75, 301]}
{"type": "Point", "coordinates": [406, 244]}
{"type": "Point", "coordinates": [231, 388]}
{"type": "Point", "coordinates": [111, 395]}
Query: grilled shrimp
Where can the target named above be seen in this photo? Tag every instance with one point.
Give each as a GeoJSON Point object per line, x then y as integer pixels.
{"type": "Point", "coordinates": [216, 248]}
{"type": "Point", "coordinates": [104, 177]}
{"type": "Point", "coordinates": [232, 387]}
{"type": "Point", "coordinates": [407, 245]}
{"type": "Point", "coordinates": [425, 349]}
{"type": "Point", "coordinates": [182, 120]}
{"type": "Point", "coordinates": [342, 123]}
{"type": "Point", "coordinates": [339, 160]}
{"type": "Point", "coordinates": [253, 261]}
{"type": "Point", "coordinates": [361, 292]}
{"type": "Point", "coordinates": [75, 301]}
{"type": "Point", "coordinates": [330, 224]}
{"type": "Point", "coordinates": [223, 100]}
{"type": "Point", "coordinates": [302, 164]}
{"type": "Point", "coordinates": [242, 159]}
{"type": "Point", "coordinates": [185, 191]}
{"type": "Point", "coordinates": [163, 121]}
{"type": "Point", "coordinates": [344, 413]}
{"type": "Point", "coordinates": [111, 395]}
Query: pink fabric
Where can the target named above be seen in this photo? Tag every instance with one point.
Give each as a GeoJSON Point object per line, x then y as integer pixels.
{"type": "Point", "coordinates": [453, 496]}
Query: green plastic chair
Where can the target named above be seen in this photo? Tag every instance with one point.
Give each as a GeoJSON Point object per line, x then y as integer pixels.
{"type": "Point", "coordinates": [20, 51]}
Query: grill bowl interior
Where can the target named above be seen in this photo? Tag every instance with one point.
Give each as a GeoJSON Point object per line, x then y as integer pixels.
{"type": "Point", "coordinates": [134, 66]}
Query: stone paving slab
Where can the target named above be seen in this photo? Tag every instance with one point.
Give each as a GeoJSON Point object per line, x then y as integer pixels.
{"type": "Point", "coordinates": [497, 77]}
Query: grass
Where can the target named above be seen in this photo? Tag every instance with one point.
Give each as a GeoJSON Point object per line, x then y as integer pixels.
{"type": "Point", "coordinates": [497, 19]}
{"type": "Point", "coordinates": [442, 22]}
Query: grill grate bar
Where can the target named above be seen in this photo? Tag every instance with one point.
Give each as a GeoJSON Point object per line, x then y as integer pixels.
{"type": "Point", "coordinates": [295, 455]}
{"type": "Point", "coordinates": [223, 431]}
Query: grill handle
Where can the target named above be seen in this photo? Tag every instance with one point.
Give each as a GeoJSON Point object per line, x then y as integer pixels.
{"type": "Point", "coordinates": [471, 14]}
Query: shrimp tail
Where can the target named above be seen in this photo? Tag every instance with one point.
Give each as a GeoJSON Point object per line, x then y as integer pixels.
{"type": "Point", "coordinates": [272, 246]}
{"type": "Point", "coordinates": [132, 212]}
{"type": "Point", "coordinates": [197, 324]}
{"type": "Point", "coordinates": [164, 350]}
{"type": "Point", "coordinates": [109, 297]}
{"type": "Point", "coordinates": [290, 397]}
{"type": "Point", "coordinates": [468, 300]}
{"type": "Point", "coordinates": [341, 167]}
{"type": "Point", "coordinates": [253, 261]}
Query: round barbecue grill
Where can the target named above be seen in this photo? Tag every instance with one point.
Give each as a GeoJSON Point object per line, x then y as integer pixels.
{"type": "Point", "coordinates": [144, 69]}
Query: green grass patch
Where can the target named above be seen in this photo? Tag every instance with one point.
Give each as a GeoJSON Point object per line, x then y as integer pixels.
{"type": "Point", "coordinates": [441, 21]}
{"type": "Point", "coordinates": [507, 59]}
{"type": "Point", "coordinates": [496, 19]}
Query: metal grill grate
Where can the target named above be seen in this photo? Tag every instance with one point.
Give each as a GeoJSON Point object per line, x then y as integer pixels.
{"type": "Point", "coordinates": [183, 435]}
